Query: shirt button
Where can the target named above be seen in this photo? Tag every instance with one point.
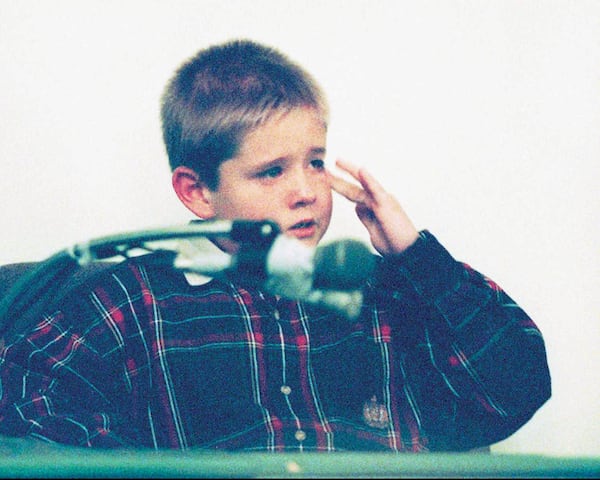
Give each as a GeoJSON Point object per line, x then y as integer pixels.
{"type": "Point", "coordinates": [286, 390]}
{"type": "Point", "coordinates": [300, 435]}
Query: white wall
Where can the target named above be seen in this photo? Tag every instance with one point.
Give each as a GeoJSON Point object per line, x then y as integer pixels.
{"type": "Point", "coordinates": [483, 117]}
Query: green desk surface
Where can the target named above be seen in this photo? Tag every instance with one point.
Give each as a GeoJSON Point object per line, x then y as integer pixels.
{"type": "Point", "coordinates": [33, 459]}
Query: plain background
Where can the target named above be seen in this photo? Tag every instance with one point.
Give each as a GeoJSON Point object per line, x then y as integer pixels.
{"type": "Point", "coordinates": [482, 117]}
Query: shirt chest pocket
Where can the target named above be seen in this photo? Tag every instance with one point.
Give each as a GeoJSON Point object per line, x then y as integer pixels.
{"type": "Point", "coordinates": [347, 373]}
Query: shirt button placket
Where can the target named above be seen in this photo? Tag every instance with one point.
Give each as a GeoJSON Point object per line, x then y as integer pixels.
{"type": "Point", "coordinates": [299, 435]}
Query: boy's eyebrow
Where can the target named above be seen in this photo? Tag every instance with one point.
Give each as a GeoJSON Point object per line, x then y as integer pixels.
{"type": "Point", "coordinates": [311, 151]}
{"type": "Point", "coordinates": [321, 150]}
{"type": "Point", "coordinates": [316, 151]}
{"type": "Point", "coordinates": [280, 160]}
{"type": "Point", "coordinates": [266, 164]}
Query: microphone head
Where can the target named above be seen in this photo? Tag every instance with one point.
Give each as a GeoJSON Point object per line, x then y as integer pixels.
{"type": "Point", "coordinates": [289, 268]}
{"type": "Point", "coordinates": [257, 233]}
{"type": "Point", "coordinates": [343, 265]}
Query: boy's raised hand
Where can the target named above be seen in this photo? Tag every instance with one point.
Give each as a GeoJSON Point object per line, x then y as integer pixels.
{"type": "Point", "coordinates": [389, 227]}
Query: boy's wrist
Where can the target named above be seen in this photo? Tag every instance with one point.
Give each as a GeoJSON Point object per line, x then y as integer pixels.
{"type": "Point", "coordinates": [429, 268]}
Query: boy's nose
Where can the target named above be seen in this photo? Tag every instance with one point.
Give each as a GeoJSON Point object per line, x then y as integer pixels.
{"type": "Point", "coordinates": [303, 191]}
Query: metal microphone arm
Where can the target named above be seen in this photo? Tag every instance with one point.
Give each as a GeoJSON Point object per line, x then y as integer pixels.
{"type": "Point", "coordinates": [259, 233]}
{"type": "Point", "coordinates": [28, 298]}
{"type": "Point", "coordinates": [36, 290]}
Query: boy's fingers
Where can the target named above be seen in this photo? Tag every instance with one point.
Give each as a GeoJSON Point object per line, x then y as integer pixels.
{"type": "Point", "coordinates": [368, 181]}
{"type": "Point", "coordinates": [347, 167]}
{"type": "Point", "coordinates": [352, 192]}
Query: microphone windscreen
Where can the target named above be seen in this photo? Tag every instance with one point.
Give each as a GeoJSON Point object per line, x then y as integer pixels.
{"type": "Point", "coordinates": [343, 265]}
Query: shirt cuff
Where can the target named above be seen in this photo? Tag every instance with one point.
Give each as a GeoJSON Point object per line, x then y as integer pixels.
{"type": "Point", "coordinates": [426, 266]}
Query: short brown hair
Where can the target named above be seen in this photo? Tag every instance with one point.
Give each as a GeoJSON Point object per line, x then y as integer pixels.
{"type": "Point", "coordinates": [218, 96]}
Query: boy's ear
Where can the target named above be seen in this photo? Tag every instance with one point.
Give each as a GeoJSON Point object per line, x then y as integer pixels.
{"type": "Point", "coordinates": [192, 192]}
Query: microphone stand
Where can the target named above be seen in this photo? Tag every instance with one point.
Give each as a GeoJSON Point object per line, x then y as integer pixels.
{"type": "Point", "coordinates": [34, 292]}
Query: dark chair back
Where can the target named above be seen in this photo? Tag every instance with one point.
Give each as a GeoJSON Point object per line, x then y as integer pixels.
{"type": "Point", "coordinates": [11, 272]}
{"type": "Point", "coordinates": [26, 301]}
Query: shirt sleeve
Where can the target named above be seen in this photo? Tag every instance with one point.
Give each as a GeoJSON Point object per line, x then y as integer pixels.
{"type": "Point", "coordinates": [474, 360]}
{"type": "Point", "coordinates": [41, 371]}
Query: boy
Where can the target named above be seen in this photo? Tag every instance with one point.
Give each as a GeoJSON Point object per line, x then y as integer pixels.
{"type": "Point", "coordinates": [440, 357]}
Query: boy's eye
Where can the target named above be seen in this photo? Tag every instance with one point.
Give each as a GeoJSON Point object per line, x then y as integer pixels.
{"type": "Point", "coordinates": [270, 172]}
{"type": "Point", "coordinates": [318, 163]}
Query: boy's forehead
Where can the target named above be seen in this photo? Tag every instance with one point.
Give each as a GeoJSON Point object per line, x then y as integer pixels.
{"type": "Point", "coordinates": [299, 128]}
{"type": "Point", "coordinates": [283, 123]}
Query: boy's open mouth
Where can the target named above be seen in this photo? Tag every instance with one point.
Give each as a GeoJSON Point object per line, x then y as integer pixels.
{"type": "Point", "coordinates": [303, 224]}
{"type": "Point", "coordinates": [303, 229]}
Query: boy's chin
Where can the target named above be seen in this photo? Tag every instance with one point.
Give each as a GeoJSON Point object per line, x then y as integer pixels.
{"type": "Point", "coordinates": [308, 241]}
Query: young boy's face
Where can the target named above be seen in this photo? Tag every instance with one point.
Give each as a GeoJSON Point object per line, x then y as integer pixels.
{"type": "Point", "coordinates": [279, 174]}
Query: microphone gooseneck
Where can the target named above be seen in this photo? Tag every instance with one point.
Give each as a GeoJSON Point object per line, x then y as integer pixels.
{"type": "Point", "coordinates": [331, 276]}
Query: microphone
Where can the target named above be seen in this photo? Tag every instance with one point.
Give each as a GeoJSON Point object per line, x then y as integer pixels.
{"type": "Point", "coordinates": [332, 275]}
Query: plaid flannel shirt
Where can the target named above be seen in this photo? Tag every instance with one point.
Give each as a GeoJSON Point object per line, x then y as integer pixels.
{"type": "Point", "coordinates": [440, 358]}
